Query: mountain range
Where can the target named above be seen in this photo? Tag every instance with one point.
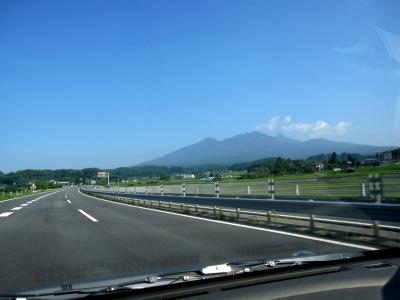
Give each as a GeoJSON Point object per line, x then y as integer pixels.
{"type": "Point", "coordinates": [255, 145]}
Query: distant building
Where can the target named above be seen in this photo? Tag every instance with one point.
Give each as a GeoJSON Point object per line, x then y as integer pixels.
{"type": "Point", "coordinates": [185, 176]}
{"type": "Point", "coordinates": [319, 167]}
{"type": "Point", "coordinates": [389, 156]}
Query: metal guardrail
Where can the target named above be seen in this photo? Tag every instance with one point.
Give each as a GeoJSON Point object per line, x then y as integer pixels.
{"type": "Point", "coordinates": [374, 229]}
{"type": "Point", "coordinates": [360, 187]}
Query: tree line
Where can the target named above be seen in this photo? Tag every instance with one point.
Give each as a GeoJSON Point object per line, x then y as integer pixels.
{"type": "Point", "coordinates": [258, 168]}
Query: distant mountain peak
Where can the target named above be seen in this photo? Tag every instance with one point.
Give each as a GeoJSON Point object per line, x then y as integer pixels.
{"type": "Point", "coordinates": [208, 139]}
{"type": "Point", "coordinates": [256, 145]}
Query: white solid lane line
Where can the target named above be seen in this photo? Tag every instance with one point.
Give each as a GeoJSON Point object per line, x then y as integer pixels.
{"type": "Point", "coordinates": [69, 201]}
{"type": "Point", "coordinates": [25, 204]}
{"type": "Point", "coordinates": [5, 214]}
{"type": "Point", "coordinates": [17, 208]}
{"type": "Point", "coordinates": [87, 215]}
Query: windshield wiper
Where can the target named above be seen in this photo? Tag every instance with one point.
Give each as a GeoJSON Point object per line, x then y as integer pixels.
{"type": "Point", "coordinates": [213, 271]}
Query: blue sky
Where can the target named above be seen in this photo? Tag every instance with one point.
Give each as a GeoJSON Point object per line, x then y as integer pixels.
{"type": "Point", "coordinates": [114, 83]}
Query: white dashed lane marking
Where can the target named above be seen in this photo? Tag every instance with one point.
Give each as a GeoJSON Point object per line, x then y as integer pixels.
{"type": "Point", "coordinates": [5, 214]}
{"type": "Point", "coordinates": [87, 215]}
{"type": "Point", "coordinates": [69, 201]}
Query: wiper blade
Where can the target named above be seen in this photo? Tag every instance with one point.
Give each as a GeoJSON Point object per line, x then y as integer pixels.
{"type": "Point", "coordinates": [213, 271]}
{"type": "Point", "coordinates": [222, 270]}
{"type": "Point", "coordinates": [292, 261]}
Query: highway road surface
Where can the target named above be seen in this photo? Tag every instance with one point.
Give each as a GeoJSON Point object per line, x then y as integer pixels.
{"type": "Point", "coordinates": [65, 236]}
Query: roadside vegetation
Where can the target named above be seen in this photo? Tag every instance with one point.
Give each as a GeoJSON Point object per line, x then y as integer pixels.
{"type": "Point", "coordinates": [15, 190]}
{"type": "Point", "coordinates": [318, 166]}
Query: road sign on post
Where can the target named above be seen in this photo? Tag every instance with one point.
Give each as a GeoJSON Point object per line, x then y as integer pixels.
{"type": "Point", "coordinates": [104, 175]}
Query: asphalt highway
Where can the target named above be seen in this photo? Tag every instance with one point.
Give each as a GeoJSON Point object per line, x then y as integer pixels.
{"type": "Point", "coordinates": [65, 236]}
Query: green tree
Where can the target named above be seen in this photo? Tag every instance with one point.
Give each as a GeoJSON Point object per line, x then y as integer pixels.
{"type": "Point", "coordinates": [333, 159]}
{"type": "Point", "coordinates": [41, 184]}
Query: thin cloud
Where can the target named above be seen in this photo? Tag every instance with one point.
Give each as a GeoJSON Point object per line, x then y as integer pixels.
{"type": "Point", "coordinates": [315, 129]}
{"type": "Point", "coordinates": [270, 125]}
{"type": "Point", "coordinates": [287, 119]}
{"type": "Point", "coordinates": [355, 49]}
{"type": "Point", "coordinates": [391, 41]}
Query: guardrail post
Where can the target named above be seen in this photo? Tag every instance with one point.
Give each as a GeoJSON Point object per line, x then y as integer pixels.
{"type": "Point", "coordinates": [375, 229]}
{"type": "Point", "coordinates": [134, 190]}
{"type": "Point", "coordinates": [238, 213]}
{"type": "Point", "coordinates": [271, 188]}
{"type": "Point", "coordinates": [196, 207]}
{"type": "Point", "coordinates": [184, 189]}
{"type": "Point", "coordinates": [217, 189]}
{"type": "Point", "coordinates": [159, 204]}
{"type": "Point", "coordinates": [181, 207]}
{"type": "Point", "coordinates": [147, 189]}
{"type": "Point", "coordinates": [375, 187]}
{"type": "Point", "coordinates": [170, 205]}
{"type": "Point", "coordinates": [363, 191]}
{"type": "Point", "coordinates": [248, 191]}
{"type": "Point", "coordinates": [378, 188]}
{"type": "Point", "coordinates": [269, 216]}
{"type": "Point", "coordinates": [162, 190]}
{"type": "Point", "coordinates": [312, 223]}
{"type": "Point", "coordinates": [197, 190]}
{"type": "Point", "coordinates": [297, 190]}
{"type": "Point", "coordinates": [215, 211]}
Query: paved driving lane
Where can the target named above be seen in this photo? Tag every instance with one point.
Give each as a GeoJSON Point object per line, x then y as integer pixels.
{"type": "Point", "coordinates": [68, 236]}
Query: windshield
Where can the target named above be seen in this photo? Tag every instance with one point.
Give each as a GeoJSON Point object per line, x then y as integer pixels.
{"type": "Point", "coordinates": [139, 137]}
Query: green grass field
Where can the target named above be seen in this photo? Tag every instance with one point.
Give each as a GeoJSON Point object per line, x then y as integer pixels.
{"type": "Point", "coordinates": [311, 186]}
{"type": "Point", "coordinates": [7, 196]}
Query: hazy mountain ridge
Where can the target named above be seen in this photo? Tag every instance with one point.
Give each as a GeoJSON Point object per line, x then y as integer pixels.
{"type": "Point", "coordinates": [255, 145]}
